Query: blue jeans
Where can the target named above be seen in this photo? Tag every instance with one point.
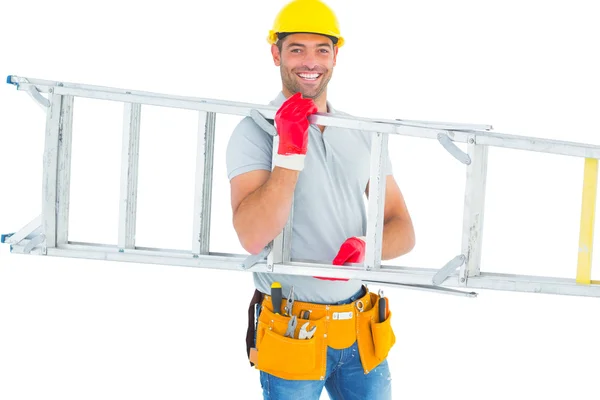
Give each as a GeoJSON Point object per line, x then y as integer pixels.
{"type": "Point", "coordinates": [344, 379]}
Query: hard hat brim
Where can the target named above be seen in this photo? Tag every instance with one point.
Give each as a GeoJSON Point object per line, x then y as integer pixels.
{"type": "Point", "coordinates": [275, 36]}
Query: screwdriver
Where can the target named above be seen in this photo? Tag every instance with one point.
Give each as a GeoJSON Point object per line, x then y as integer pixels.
{"type": "Point", "coordinates": [382, 307]}
{"type": "Point", "coordinates": [276, 296]}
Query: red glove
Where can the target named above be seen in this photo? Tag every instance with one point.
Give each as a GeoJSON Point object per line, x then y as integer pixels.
{"type": "Point", "coordinates": [291, 122]}
{"type": "Point", "coordinates": [352, 250]}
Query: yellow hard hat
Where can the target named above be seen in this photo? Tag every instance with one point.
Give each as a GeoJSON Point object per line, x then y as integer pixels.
{"type": "Point", "coordinates": [306, 16]}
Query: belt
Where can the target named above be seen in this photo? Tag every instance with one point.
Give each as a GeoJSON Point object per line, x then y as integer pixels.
{"type": "Point", "coordinates": [340, 318]}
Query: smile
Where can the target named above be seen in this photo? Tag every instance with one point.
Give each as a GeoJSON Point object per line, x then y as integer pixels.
{"type": "Point", "coordinates": [309, 76]}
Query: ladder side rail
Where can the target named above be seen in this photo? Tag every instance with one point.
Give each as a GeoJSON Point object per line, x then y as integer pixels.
{"type": "Point", "coordinates": [386, 273]}
{"type": "Point", "coordinates": [425, 129]}
{"type": "Point", "coordinates": [44, 85]}
{"type": "Point", "coordinates": [430, 132]}
{"type": "Point", "coordinates": [540, 145]}
{"type": "Point", "coordinates": [268, 112]}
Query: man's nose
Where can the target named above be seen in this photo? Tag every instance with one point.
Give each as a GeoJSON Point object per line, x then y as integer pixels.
{"type": "Point", "coordinates": [310, 60]}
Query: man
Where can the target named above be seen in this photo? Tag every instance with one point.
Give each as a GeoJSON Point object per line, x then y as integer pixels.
{"type": "Point", "coordinates": [325, 170]}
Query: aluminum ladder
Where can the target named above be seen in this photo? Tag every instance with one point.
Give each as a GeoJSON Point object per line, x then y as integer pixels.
{"type": "Point", "coordinates": [47, 234]}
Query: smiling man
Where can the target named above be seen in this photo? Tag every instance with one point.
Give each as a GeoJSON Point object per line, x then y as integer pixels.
{"type": "Point", "coordinates": [307, 65]}
{"type": "Point", "coordinates": [339, 342]}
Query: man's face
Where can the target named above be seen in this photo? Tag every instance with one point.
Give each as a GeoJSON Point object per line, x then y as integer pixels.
{"type": "Point", "coordinates": [306, 62]}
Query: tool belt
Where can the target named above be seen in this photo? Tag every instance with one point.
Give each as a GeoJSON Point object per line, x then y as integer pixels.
{"type": "Point", "coordinates": [337, 326]}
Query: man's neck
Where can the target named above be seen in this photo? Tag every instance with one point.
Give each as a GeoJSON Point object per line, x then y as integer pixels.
{"type": "Point", "coordinates": [321, 103]}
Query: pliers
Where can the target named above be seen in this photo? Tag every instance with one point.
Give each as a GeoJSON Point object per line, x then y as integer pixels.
{"type": "Point", "coordinates": [289, 305]}
{"type": "Point", "coordinates": [291, 328]}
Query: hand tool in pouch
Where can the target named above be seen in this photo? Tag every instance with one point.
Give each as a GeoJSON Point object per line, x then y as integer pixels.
{"type": "Point", "coordinates": [291, 328]}
{"type": "Point", "coordinates": [276, 297]}
{"type": "Point", "coordinates": [382, 307]}
{"type": "Point", "coordinates": [306, 334]}
{"type": "Point", "coordinates": [289, 305]}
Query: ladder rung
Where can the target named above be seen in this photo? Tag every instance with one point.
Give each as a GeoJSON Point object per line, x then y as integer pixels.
{"type": "Point", "coordinates": [203, 179]}
{"type": "Point", "coordinates": [379, 149]}
{"type": "Point", "coordinates": [473, 210]}
{"type": "Point", "coordinates": [588, 214]}
{"type": "Point", "coordinates": [57, 169]}
{"type": "Point", "coordinates": [129, 175]}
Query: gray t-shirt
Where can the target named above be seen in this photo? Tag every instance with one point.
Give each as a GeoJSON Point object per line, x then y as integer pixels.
{"type": "Point", "coordinates": [329, 199]}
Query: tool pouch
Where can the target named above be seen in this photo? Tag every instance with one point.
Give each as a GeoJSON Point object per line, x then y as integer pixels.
{"type": "Point", "coordinates": [251, 331]}
{"type": "Point", "coordinates": [375, 339]}
{"type": "Point", "coordinates": [290, 358]}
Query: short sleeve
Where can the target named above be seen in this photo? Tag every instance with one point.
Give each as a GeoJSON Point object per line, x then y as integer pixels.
{"type": "Point", "coordinates": [249, 148]}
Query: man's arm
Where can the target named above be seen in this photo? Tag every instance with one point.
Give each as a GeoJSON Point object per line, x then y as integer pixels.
{"type": "Point", "coordinates": [398, 230]}
{"type": "Point", "coordinates": [261, 199]}
{"type": "Point", "coordinates": [261, 202]}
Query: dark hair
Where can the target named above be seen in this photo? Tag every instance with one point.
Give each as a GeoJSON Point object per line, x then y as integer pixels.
{"type": "Point", "coordinates": [282, 35]}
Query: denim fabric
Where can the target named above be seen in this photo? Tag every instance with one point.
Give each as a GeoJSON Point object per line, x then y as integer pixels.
{"type": "Point", "coordinates": [344, 380]}
{"type": "Point", "coordinates": [353, 298]}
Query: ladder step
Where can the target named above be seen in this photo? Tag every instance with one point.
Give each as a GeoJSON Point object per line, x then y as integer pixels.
{"type": "Point", "coordinates": [204, 180]}
{"type": "Point", "coordinates": [129, 175]}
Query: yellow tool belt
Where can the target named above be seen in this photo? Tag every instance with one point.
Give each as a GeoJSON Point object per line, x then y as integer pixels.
{"type": "Point", "coordinates": [338, 326]}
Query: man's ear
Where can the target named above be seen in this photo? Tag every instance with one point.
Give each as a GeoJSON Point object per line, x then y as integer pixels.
{"type": "Point", "coordinates": [276, 55]}
{"type": "Point", "coordinates": [335, 53]}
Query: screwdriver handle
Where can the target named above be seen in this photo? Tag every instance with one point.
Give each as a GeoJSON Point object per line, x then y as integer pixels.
{"type": "Point", "coordinates": [276, 297]}
{"type": "Point", "coordinates": [382, 309]}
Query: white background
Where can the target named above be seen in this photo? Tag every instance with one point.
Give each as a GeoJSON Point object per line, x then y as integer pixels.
{"type": "Point", "coordinates": [77, 329]}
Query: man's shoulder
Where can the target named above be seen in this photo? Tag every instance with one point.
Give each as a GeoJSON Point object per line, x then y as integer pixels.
{"type": "Point", "coordinates": [247, 124]}
{"type": "Point", "coordinates": [249, 148]}
{"type": "Point", "coordinates": [248, 128]}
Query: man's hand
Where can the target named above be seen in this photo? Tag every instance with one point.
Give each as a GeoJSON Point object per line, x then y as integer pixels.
{"type": "Point", "coordinates": [291, 122]}
{"type": "Point", "coordinates": [352, 251]}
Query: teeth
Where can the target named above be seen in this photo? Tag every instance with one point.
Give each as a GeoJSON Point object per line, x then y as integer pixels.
{"type": "Point", "coordinates": [309, 76]}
